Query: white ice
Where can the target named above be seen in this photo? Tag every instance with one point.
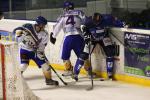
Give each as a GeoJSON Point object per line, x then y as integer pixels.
{"type": "Point", "coordinates": [103, 90]}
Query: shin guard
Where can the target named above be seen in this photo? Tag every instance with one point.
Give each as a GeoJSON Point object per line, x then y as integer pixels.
{"type": "Point", "coordinates": [46, 71]}
{"type": "Point", "coordinates": [87, 65]}
{"type": "Point", "coordinates": [68, 66]}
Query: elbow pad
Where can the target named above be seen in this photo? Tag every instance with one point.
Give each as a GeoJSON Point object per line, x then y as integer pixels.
{"type": "Point", "coordinates": [19, 33]}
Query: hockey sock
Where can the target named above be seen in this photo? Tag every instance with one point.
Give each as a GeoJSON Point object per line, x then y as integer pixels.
{"type": "Point", "coordinates": [109, 65]}
{"type": "Point", "coordinates": [78, 65]}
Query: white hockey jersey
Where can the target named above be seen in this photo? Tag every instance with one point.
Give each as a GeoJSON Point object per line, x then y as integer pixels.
{"type": "Point", "coordinates": [70, 22]}
{"type": "Point", "coordinates": [27, 42]}
{"type": "Point", "coordinates": [44, 37]}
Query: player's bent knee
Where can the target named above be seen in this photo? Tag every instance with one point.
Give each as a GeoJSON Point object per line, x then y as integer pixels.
{"type": "Point", "coordinates": [23, 67]}
{"type": "Point", "coordinates": [45, 67]}
{"type": "Point", "coordinates": [84, 56]}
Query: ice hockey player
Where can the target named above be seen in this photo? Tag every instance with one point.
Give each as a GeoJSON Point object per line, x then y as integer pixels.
{"type": "Point", "coordinates": [95, 27]}
{"type": "Point", "coordinates": [32, 39]}
{"type": "Point", "coordinates": [70, 22]}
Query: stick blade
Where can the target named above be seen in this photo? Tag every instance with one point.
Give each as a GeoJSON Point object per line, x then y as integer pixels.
{"type": "Point", "coordinates": [65, 83]}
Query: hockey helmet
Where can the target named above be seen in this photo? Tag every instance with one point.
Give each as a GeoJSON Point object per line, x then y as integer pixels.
{"type": "Point", "coordinates": [41, 20]}
{"type": "Point", "coordinates": [97, 17]}
{"type": "Point", "coordinates": [68, 5]}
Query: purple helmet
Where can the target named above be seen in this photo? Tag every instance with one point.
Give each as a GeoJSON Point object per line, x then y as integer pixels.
{"type": "Point", "coordinates": [68, 5]}
{"type": "Point", "coordinates": [41, 20]}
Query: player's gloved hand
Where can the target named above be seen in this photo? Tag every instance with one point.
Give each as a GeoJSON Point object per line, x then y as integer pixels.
{"type": "Point", "coordinates": [86, 39]}
{"type": "Point", "coordinates": [40, 55]}
{"type": "Point", "coordinates": [52, 40]}
{"type": "Point", "coordinates": [85, 30]}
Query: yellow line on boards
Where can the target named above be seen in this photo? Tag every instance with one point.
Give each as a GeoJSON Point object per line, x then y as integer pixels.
{"type": "Point", "coordinates": [118, 77]}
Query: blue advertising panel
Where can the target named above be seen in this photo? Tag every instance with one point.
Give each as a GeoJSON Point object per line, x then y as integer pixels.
{"type": "Point", "coordinates": [5, 35]}
{"type": "Point", "coordinates": [137, 54]}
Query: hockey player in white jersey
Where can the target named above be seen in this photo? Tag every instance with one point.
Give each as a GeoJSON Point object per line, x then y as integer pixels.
{"type": "Point", "coordinates": [32, 39]}
{"type": "Point", "coordinates": [70, 22]}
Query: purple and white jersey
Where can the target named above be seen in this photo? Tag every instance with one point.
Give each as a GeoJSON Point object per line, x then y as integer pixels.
{"type": "Point", "coordinates": [27, 42]}
{"type": "Point", "coordinates": [70, 22]}
{"type": "Point", "coordinates": [44, 37]}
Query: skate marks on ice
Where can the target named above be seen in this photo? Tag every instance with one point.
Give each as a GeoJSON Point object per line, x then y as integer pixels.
{"type": "Point", "coordinates": [37, 82]}
{"type": "Point", "coordinates": [104, 90]}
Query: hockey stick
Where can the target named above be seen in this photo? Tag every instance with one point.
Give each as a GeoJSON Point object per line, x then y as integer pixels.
{"type": "Point", "coordinates": [53, 68]}
{"type": "Point", "coordinates": [58, 75]}
{"type": "Point", "coordinates": [92, 84]}
{"type": "Point", "coordinates": [125, 44]}
{"type": "Point", "coordinates": [118, 39]}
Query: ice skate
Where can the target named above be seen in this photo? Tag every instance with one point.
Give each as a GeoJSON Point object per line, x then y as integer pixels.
{"type": "Point", "coordinates": [75, 77]}
{"type": "Point", "coordinates": [67, 73]}
{"type": "Point", "coordinates": [51, 82]}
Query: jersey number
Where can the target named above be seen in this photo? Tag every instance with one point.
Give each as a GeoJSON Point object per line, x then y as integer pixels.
{"type": "Point", "coordinates": [70, 20]}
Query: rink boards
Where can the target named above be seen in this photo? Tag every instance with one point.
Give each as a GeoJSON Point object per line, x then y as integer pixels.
{"type": "Point", "coordinates": [124, 70]}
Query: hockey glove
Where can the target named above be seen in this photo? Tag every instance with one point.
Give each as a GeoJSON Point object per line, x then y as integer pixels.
{"type": "Point", "coordinates": [52, 40]}
{"type": "Point", "coordinates": [85, 30]}
{"type": "Point", "coordinates": [86, 39]}
{"type": "Point", "coordinates": [40, 55]}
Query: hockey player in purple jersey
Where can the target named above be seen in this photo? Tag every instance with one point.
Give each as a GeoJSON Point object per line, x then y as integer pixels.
{"type": "Point", "coordinates": [70, 22]}
{"type": "Point", "coordinates": [95, 27]}
{"type": "Point", "coordinates": [32, 39]}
